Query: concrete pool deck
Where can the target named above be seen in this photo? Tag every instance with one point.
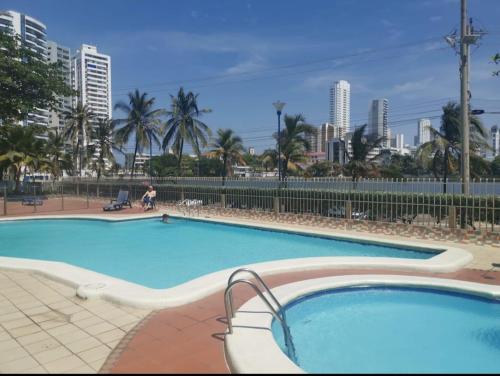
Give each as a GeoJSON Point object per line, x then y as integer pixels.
{"type": "Point", "coordinates": [188, 338]}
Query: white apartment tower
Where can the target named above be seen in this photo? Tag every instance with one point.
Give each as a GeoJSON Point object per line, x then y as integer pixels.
{"type": "Point", "coordinates": [340, 105]}
{"type": "Point", "coordinates": [91, 77]}
{"type": "Point", "coordinates": [33, 35]}
{"type": "Point", "coordinates": [60, 54]}
{"type": "Point", "coordinates": [424, 132]}
{"type": "Point", "coordinates": [377, 120]}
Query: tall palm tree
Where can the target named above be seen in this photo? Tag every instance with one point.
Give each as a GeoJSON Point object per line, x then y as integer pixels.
{"type": "Point", "coordinates": [443, 152]}
{"type": "Point", "coordinates": [229, 147]}
{"type": "Point", "coordinates": [141, 122]}
{"type": "Point", "coordinates": [54, 149]}
{"type": "Point", "coordinates": [78, 130]}
{"type": "Point", "coordinates": [360, 161]}
{"type": "Point", "coordinates": [103, 143]}
{"type": "Point", "coordinates": [294, 141]}
{"type": "Point", "coordinates": [184, 126]}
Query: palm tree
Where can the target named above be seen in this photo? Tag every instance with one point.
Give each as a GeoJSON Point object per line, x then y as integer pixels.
{"type": "Point", "coordinates": [142, 122]}
{"type": "Point", "coordinates": [269, 159]}
{"type": "Point", "coordinates": [104, 144]}
{"type": "Point", "coordinates": [20, 148]}
{"type": "Point", "coordinates": [54, 150]}
{"type": "Point", "coordinates": [294, 142]}
{"type": "Point", "coordinates": [183, 125]}
{"type": "Point", "coordinates": [360, 162]}
{"type": "Point", "coordinates": [78, 130]}
{"type": "Point", "coordinates": [229, 147]}
{"type": "Point", "coordinates": [444, 150]}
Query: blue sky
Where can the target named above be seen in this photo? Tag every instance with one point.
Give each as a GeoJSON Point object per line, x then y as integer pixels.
{"type": "Point", "coordinates": [240, 56]}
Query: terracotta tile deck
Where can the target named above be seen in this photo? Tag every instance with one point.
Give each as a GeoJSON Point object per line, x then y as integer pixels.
{"type": "Point", "coordinates": [190, 338]}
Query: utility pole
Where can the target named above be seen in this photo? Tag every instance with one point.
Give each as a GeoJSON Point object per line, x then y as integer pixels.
{"type": "Point", "coordinates": [464, 96]}
{"type": "Point", "coordinates": [468, 36]}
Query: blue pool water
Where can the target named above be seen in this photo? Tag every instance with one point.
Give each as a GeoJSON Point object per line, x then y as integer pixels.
{"type": "Point", "coordinates": [394, 330]}
{"type": "Point", "coordinates": [160, 255]}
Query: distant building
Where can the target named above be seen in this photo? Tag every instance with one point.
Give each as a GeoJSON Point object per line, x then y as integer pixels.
{"type": "Point", "coordinates": [424, 132]}
{"type": "Point", "coordinates": [340, 106]}
{"type": "Point", "coordinates": [336, 151]}
{"type": "Point", "coordinates": [33, 34]}
{"type": "Point", "coordinates": [315, 157]}
{"type": "Point", "coordinates": [140, 161]}
{"type": "Point", "coordinates": [60, 54]}
{"type": "Point", "coordinates": [495, 140]}
{"type": "Point", "coordinates": [251, 150]}
{"type": "Point", "coordinates": [377, 121]}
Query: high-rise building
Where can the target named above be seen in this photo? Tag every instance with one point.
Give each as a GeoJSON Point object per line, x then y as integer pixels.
{"type": "Point", "coordinates": [326, 133]}
{"type": "Point", "coordinates": [340, 106]}
{"type": "Point", "coordinates": [377, 120]}
{"type": "Point", "coordinates": [424, 132]}
{"type": "Point", "coordinates": [33, 35]}
{"type": "Point", "coordinates": [336, 151]}
{"type": "Point", "coordinates": [495, 140]}
{"type": "Point", "coordinates": [91, 77]}
{"type": "Point", "coordinates": [60, 54]}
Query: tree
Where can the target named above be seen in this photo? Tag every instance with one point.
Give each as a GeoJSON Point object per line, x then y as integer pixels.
{"type": "Point", "coordinates": [293, 141]}
{"type": "Point", "coordinates": [496, 59]}
{"type": "Point", "coordinates": [360, 162]}
{"type": "Point", "coordinates": [103, 144]}
{"type": "Point", "coordinates": [142, 122]}
{"type": "Point", "coordinates": [495, 166]}
{"type": "Point", "coordinates": [19, 148]}
{"type": "Point", "coordinates": [443, 153]}
{"type": "Point", "coordinates": [162, 165]}
{"type": "Point", "coordinates": [78, 130]}
{"type": "Point", "coordinates": [229, 147]}
{"type": "Point", "coordinates": [54, 149]}
{"type": "Point", "coordinates": [269, 159]}
{"type": "Point", "coordinates": [323, 169]}
{"type": "Point", "coordinates": [27, 82]}
{"type": "Point", "coordinates": [183, 125]}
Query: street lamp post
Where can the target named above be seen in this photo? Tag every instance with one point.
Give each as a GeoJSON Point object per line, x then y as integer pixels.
{"type": "Point", "coordinates": [278, 105]}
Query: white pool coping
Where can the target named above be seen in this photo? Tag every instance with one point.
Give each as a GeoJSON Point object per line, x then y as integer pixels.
{"type": "Point", "coordinates": [92, 284]}
{"type": "Point", "coordinates": [251, 348]}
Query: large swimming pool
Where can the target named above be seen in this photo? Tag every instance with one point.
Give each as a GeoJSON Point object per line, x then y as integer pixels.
{"type": "Point", "coordinates": [158, 255]}
{"type": "Point", "coordinates": [394, 330]}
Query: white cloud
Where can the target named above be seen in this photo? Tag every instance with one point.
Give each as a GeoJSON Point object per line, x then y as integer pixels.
{"type": "Point", "coordinates": [412, 86]}
{"type": "Point", "coordinates": [435, 18]}
{"type": "Point", "coordinates": [248, 66]}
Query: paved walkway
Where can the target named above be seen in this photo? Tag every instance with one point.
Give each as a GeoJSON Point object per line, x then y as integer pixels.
{"type": "Point", "coordinates": [45, 328]}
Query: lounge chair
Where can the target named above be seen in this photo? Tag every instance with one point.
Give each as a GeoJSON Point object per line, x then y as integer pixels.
{"type": "Point", "coordinates": [117, 204]}
{"type": "Point", "coordinates": [32, 201]}
{"type": "Point", "coordinates": [151, 204]}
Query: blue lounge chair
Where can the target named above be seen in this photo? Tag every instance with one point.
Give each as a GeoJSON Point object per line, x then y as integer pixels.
{"type": "Point", "coordinates": [117, 204]}
{"type": "Point", "coordinates": [32, 201]}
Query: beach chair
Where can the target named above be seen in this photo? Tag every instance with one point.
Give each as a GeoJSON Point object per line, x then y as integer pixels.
{"type": "Point", "coordinates": [151, 204]}
{"type": "Point", "coordinates": [32, 201]}
{"type": "Point", "coordinates": [118, 203]}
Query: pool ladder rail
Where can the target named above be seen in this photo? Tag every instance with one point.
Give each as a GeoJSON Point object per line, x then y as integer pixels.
{"type": "Point", "coordinates": [277, 311]}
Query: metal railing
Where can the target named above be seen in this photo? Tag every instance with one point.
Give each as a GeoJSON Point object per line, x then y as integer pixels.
{"type": "Point", "coordinates": [278, 313]}
{"type": "Point", "coordinates": [404, 201]}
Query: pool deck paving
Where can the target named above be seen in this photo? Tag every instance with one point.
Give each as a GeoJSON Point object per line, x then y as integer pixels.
{"type": "Point", "coordinates": [45, 328]}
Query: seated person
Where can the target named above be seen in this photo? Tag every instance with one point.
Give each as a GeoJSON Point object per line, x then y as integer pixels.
{"type": "Point", "coordinates": [148, 197]}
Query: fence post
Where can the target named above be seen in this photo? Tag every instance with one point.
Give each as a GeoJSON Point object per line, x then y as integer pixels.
{"type": "Point", "coordinates": [348, 209]}
{"type": "Point", "coordinates": [88, 195]}
{"type": "Point", "coordinates": [276, 205]}
{"type": "Point", "coordinates": [223, 200]}
{"type": "Point", "coordinates": [452, 217]}
{"type": "Point", "coordinates": [5, 200]}
{"type": "Point", "coordinates": [34, 198]}
{"type": "Point", "coordinates": [78, 189]}
{"type": "Point", "coordinates": [62, 196]}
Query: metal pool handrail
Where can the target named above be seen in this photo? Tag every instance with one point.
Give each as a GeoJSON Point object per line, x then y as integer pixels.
{"type": "Point", "coordinates": [263, 285]}
{"type": "Point", "coordinates": [281, 318]}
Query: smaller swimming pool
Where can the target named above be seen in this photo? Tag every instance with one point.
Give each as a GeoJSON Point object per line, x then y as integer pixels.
{"type": "Point", "coordinates": [394, 330]}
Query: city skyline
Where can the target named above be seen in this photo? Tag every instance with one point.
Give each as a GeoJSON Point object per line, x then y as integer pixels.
{"type": "Point", "coordinates": [413, 94]}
